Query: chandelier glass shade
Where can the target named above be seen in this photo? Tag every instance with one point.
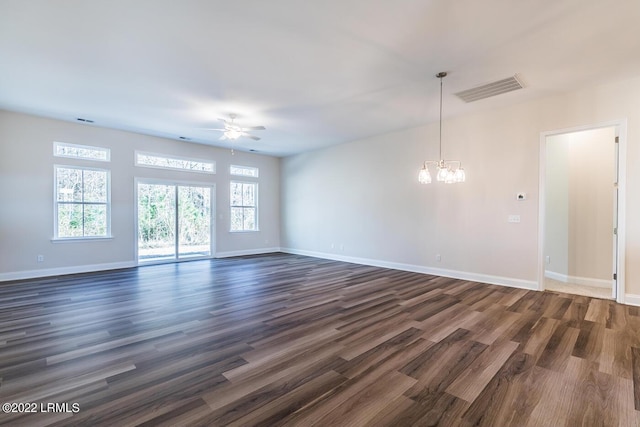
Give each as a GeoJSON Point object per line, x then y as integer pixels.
{"type": "Point", "coordinates": [447, 171]}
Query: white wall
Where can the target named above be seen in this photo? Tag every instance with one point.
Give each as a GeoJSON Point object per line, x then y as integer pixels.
{"type": "Point", "coordinates": [364, 196]}
{"type": "Point", "coordinates": [579, 205]}
{"type": "Point", "coordinates": [26, 195]}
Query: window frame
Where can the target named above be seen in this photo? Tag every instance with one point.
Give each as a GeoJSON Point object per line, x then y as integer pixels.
{"type": "Point", "coordinates": [255, 206]}
{"type": "Point", "coordinates": [137, 163]}
{"type": "Point", "coordinates": [56, 203]}
{"type": "Point", "coordinates": [57, 144]}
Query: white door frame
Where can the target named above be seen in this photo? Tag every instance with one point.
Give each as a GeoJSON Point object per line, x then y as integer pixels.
{"type": "Point", "coordinates": [621, 132]}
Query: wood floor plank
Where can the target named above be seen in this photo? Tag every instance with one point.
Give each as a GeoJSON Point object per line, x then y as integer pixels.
{"type": "Point", "coordinates": [589, 343]}
{"type": "Point", "coordinates": [283, 340]}
{"type": "Point", "coordinates": [278, 411]}
{"type": "Point", "coordinates": [447, 366]}
{"type": "Point", "coordinates": [249, 381]}
{"type": "Point", "coordinates": [475, 378]}
{"type": "Point", "coordinates": [556, 354]}
{"type": "Point", "coordinates": [635, 354]}
{"type": "Point", "coordinates": [398, 412]}
{"type": "Point", "coordinates": [361, 407]}
{"type": "Point", "coordinates": [340, 407]}
{"type": "Point", "coordinates": [406, 345]}
{"type": "Point", "coordinates": [512, 394]}
{"type": "Point", "coordinates": [596, 393]}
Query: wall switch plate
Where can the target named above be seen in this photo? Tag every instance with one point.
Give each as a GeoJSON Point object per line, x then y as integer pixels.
{"type": "Point", "coordinates": [513, 218]}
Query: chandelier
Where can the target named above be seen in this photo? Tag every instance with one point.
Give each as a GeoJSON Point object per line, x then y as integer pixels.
{"type": "Point", "coordinates": [448, 171]}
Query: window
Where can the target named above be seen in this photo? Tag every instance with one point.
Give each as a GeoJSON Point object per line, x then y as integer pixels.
{"type": "Point", "coordinates": [82, 202]}
{"type": "Point", "coordinates": [75, 151]}
{"type": "Point", "coordinates": [174, 162]}
{"type": "Point", "coordinates": [243, 171]}
{"type": "Point", "coordinates": [244, 197]}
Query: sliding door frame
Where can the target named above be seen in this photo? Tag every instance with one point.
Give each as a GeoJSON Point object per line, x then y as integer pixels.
{"type": "Point", "coordinates": [176, 183]}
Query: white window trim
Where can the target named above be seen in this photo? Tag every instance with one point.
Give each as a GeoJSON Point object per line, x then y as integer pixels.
{"type": "Point", "coordinates": [255, 207]}
{"type": "Point", "coordinates": [175, 157]}
{"type": "Point", "coordinates": [57, 144]}
{"type": "Point", "coordinates": [56, 238]}
{"type": "Point", "coordinates": [80, 239]}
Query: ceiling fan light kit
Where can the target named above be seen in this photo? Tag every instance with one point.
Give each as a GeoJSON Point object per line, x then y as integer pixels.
{"type": "Point", "coordinates": [232, 134]}
{"type": "Point", "coordinates": [448, 171]}
{"type": "Point", "coordinates": [233, 131]}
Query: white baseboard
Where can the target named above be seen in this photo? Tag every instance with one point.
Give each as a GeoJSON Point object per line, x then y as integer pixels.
{"type": "Point", "coordinates": [584, 281]}
{"type": "Point", "coordinates": [462, 275]}
{"type": "Point", "coordinates": [59, 271]}
{"type": "Point", "coordinates": [631, 299]}
{"type": "Point", "coordinates": [246, 252]}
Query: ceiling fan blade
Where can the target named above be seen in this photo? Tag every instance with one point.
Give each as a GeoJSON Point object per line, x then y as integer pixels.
{"type": "Point", "coordinates": [255, 138]}
{"type": "Point", "coordinates": [254, 128]}
{"type": "Point", "coordinates": [222, 130]}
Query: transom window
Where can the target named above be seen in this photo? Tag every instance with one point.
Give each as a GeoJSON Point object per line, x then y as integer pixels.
{"type": "Point", "coordinates": [82, 202]}
{"type": "Point", "coordinates": [162, 161]}
{"type": "Point", "coordinates": [76, 151]}
{"type": "Point", "coordinates": [243, 171]}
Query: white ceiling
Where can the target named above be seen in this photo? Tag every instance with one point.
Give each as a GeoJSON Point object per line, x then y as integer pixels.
{"type": "Point", "coordinates": [315, 73]}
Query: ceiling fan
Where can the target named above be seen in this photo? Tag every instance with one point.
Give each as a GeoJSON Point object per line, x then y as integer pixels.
{"type": "Point", "coordinates": [233, 131]}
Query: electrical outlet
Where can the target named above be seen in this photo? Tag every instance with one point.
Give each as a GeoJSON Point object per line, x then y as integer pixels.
{"type": "Point", "coordinates": [438, 257]}
{"type": "Point", "coordinates": [40, 258]}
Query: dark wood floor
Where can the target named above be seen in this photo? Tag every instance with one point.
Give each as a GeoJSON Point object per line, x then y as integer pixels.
{"type": "Point", "coordinates": [290, 340]}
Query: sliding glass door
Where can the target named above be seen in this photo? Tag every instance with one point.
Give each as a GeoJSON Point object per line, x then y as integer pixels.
{"type": "Point", "coordinates": [174, 221]}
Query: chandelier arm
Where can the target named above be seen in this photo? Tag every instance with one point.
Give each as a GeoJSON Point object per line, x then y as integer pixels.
{"type": "Point", "coordinates": [458, 162]}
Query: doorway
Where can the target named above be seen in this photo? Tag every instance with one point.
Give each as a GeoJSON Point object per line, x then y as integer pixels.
{"type": "Point", "coordinates": [174, 221]}
{"type": "Point", "coordinates": [579, 211]}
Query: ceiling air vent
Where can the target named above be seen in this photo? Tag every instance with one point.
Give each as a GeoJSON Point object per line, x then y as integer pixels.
{"type": "Point", "coordinates": [490, 89]}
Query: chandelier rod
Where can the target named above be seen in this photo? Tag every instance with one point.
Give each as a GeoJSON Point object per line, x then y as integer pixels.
{"type": "Point", "coordinates": [440, 76]}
